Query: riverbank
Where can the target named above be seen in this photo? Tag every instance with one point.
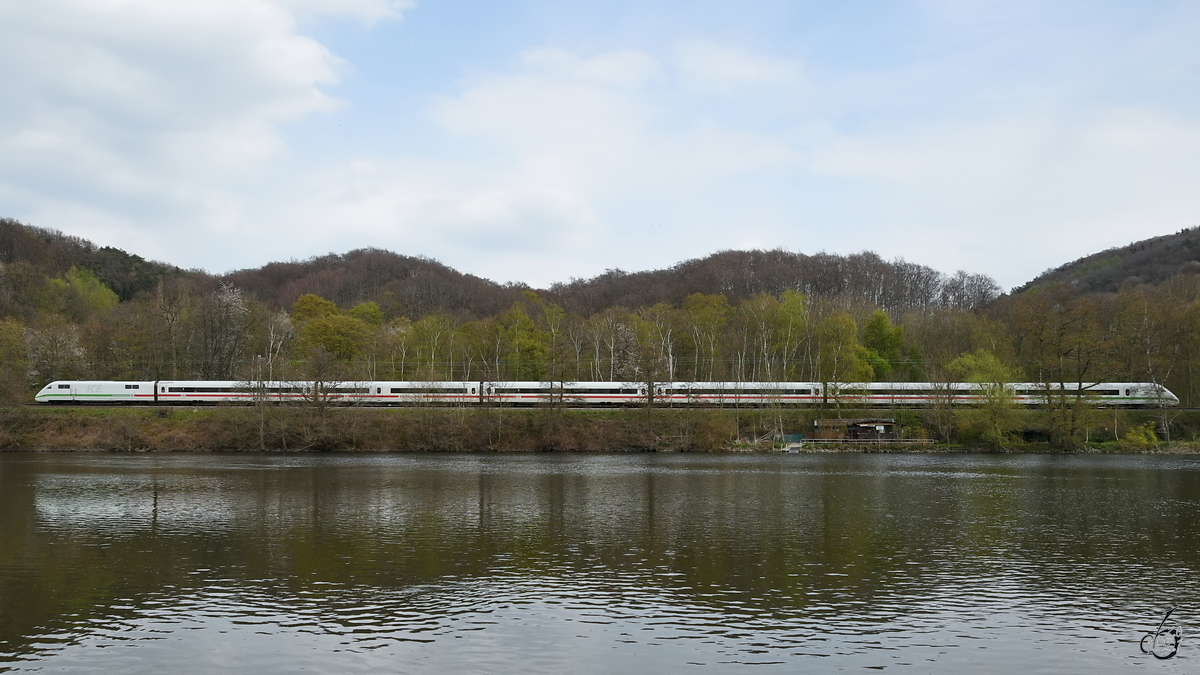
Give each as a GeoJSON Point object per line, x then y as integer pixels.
{"type": "Point", "coordinates": [297, 429]}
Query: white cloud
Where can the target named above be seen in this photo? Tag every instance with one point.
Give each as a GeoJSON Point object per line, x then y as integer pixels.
{"type": "Point", "coordinates": [1016, 194]}
{"type": "Point", "coordinates": [625, 68]}
{"type": "Point", "coordinates": [712, 66]}
{"type": "Point", "coordinates": [569, 157]}
{"type": "Point", "coordinates": [366, 11]}
{"type": "Point", "coordinates": [157, 111]}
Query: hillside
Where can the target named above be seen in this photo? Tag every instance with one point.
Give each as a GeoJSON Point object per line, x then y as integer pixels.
{"type": "Point", "coordinates": [52, 253]}
{"type": "Point", "coordinates": [400, 284]}
{"type": "Point", "coordinates": [864, 278]}
{"type": "Point", "coordinates": [1149, 261]}
{"type": "Point", "coordinates": [416, 286]}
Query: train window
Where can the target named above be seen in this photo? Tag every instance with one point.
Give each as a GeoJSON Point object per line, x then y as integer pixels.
{"type": "Point", "coordinates": [132, 386]}
{"type": "Point", "coordinates": [1126, 392]}
{"type": "Point", "coordinates": [163, 389]}
{"type": "Point", "coordinates": [472, 390]}
{"type": "Point", "coordinates": [378, 390]}
{"type": "Point", "coordinates": [64, 386]}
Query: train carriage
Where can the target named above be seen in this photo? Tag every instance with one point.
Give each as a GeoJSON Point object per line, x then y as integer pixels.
{"type": "Point", "coordinates": [740, 393]}
{"type": "Point", "coordinates": [581, 394]}
{"type": "Point", "coordinates": [424, 393]}
{"type": "Point", "coordinates": [244, 392]}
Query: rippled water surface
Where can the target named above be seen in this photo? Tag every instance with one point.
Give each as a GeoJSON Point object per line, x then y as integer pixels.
{"type": "Point", "coordinates": [594, 564]}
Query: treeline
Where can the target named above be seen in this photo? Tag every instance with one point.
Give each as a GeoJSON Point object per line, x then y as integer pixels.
{"type": "Point", "coordinates": [747, 316]}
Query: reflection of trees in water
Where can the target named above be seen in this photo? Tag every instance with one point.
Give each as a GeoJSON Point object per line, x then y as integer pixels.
{"type": "Point", "coordinates": [869, 536]}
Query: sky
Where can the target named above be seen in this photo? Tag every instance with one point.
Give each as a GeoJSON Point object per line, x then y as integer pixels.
{"type": "Point", "coordinates": [539, 141]}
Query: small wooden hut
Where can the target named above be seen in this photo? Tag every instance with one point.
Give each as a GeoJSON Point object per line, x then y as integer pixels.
{"type": "Point", "coordinates": [856, 430]}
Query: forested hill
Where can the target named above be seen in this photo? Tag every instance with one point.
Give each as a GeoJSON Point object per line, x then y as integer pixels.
{"type": "Point", "coordinates": [416, 286]}
{"type": "Point", "coordinates": [39, 253]}
{"type": "Point", "coordinates": [1149, 261]}
{"type": "Point", "coordinates": [399, 284]}
{"type": "Point", "coordinates": [419, 286]}
{"type": "Point", "coordinates": [861, 278]}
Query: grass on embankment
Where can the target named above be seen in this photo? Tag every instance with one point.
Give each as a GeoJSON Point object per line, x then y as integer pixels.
{"type": "Point", "coordinates": [300, 429]}
{"type": "Point", "coordinates": [362, 429]}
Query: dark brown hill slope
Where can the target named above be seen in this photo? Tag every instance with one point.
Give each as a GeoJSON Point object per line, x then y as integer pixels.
{"type": "Point", "coordinates": [400, 284]}
{"type": "Point", "coordinates": [417, 286]}
{"type": "Point", "coordinates": [1149, 261]}
{"type": "Point", "coordinates": [52, 253]}
{"type": "Point", "coordinates": [862, 277]}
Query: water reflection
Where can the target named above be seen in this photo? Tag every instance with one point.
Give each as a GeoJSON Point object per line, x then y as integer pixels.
{"type": "Point", "coordinates": [476, 563]}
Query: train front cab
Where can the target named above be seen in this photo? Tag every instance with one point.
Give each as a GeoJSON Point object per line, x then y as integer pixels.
{"type": "Point", "coordinates": [103, 392]}
{"type": "Point", "coordinates": [56, 392]}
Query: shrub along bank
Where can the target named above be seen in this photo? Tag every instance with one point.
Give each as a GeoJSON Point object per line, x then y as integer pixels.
{"type": "Point", "coordinates": [296, 429]}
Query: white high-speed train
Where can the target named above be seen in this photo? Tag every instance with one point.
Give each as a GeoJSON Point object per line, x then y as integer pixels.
{"type": "Point", "coordinates": [712, 394]}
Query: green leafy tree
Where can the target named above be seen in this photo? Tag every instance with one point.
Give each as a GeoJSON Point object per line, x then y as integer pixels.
{"type": "Point", "coordinates": [706, 316]}
{"type": "Point", "coordinates": [841, 358]}
{"type": "Point", "coordinates": [756, 326]}
{"type": "Point", "coordinates": [394, 343]}
{"type": "Point", "coordinates": [527, 346]}
{"type": "Point", "coordinates": [342, 337]}
{"type": "Point", "coordinates": [367, 312]}
{"type": "Point", "coordinates": [432, 338]}
{"type": "Point", "coordinates": [996, 405]}
{"type": "Point", "coordinates": [791, 334]}
{"type": "Point", "coordinates": [309, 306]}
{"type": "Point", "coordinates": [884, 343]}
{"type": "Point", "coordinates": [79, 295]}
{"type": "Point", "coordinates": [656, 328]}
{"type": "Point", "coordinates": [1059, 335]}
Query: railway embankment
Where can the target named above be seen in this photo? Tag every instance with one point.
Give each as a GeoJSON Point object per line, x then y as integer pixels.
{"type": "Point", "coordinates": [332, 429]}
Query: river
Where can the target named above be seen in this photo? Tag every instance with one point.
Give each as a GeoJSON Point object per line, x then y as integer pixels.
{"type": "Point", "coordinates": [247, 563]}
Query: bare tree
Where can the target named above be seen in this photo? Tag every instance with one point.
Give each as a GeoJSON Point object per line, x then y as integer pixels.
{"type": "Point", "coordinates": [222, 327]}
